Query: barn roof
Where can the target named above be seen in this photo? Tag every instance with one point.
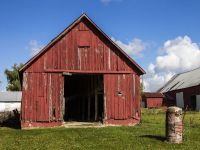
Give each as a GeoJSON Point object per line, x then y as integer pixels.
{"type": "Point", "coordinates": [10, 96]}
{"type": "Point", "coordinates": [153, 95]}
{"type": "Point", "coordinates": [62, 34]}
{"type": "Point", "coordinates": [182, 80]}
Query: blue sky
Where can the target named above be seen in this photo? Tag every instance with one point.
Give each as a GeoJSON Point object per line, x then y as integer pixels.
{"type": "Point", "coordinates": [158, 34]}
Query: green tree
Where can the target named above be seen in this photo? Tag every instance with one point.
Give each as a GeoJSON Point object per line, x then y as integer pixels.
{"type": "Point", "coordinates": [13, 78]}
{"type": "Point", "coordinates": [141, 88]}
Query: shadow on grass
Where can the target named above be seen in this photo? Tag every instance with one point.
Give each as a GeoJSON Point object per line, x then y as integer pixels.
{"type": "Point", "coordinates": [160, 138]}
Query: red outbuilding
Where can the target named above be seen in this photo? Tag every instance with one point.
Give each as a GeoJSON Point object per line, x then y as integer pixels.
{"type": "Point", "coordinates": [152, 100]}
{"type": "Point", "coordinates": [81, 75]}
{"type": "Point", "coordinates": [183, 90]}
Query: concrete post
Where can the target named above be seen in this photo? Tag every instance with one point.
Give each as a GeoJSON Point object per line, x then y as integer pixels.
{"type": "Point", "coordinates": [174, 125]}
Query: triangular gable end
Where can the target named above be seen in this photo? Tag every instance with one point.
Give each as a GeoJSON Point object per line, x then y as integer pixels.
{"type": "Point", "coordinates": [62, 34]}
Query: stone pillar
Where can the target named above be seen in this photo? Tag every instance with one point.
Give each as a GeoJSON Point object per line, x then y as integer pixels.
{"type": "Point", "coordinates": [174, 125]}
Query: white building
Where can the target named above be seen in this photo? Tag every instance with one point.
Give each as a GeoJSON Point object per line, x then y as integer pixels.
{"type": "Point", "coordinates": [10, 101]}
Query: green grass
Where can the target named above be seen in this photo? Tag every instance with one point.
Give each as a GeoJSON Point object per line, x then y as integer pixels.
{"type": "Point", "coordinates": [148, 135]}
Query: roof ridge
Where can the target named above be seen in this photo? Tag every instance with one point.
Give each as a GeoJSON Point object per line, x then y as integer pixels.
{"type": "Point", "coordinates": [189, 70]}
{"type": "Point", "coordinates": [168, 82]}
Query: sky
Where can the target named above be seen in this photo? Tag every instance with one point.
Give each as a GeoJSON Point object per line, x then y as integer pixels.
{"type": "Point", "coordinates": [162, 36]}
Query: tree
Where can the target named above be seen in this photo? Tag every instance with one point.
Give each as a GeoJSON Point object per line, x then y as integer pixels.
{"type": "Point", "coordinates": [13, 78]}
{"type": "Point", "coordinates": [141, 88]}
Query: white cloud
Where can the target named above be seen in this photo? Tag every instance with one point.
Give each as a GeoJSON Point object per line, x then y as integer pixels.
{"type": "Point", "coordinates": [108, 1]}
{"type": "Point", "coordinates": [34, 47]}
{"type": "Point", "coordinates": [154, 81]}
{"type": "Point", "coordinates": [132, 48]}
{"type": "Point", "coordinates": [179, 54]}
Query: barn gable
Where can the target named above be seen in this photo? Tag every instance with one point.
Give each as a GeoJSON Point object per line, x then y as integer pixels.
{"type": "Point", "coordinates": [83, 34]}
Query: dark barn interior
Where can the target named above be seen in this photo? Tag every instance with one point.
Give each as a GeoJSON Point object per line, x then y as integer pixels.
{"type": "Point", "coordinates": [193, 102]}
{"type": "Point", "coordinates": [83, 97]}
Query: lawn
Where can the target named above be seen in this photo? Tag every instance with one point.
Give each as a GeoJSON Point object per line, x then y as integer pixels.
{"type": "Point", "coordinates": [150, 134]}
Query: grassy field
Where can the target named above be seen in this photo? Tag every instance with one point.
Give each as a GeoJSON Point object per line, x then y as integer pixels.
{"type": "Point", "coordinates": [150, 134]}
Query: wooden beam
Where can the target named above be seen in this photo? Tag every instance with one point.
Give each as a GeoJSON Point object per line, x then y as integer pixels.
{"type": "Point", "coordinates": [83, 108]}
{"type": "Point", "coordinates": [87, 71]}
{"type": "Point", "coordinates": [88, 108]}
{"type": "Point", "coordinates": [96, 104]}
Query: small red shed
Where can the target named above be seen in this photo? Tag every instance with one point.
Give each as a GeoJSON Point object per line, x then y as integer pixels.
{"type": "Point", "coordinates": [81, 75]}
{"type": "Point", "coordinates": [152, 100]}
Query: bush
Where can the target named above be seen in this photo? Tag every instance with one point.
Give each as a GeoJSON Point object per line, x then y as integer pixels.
{"type": "Point", "coordinates": [10, 119]}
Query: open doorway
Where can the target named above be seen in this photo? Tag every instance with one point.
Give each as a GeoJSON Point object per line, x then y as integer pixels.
{"type": "Point", "coordinates": [193, 102]}
{"type": "Point", "coordinates": [84, 97]}
{"type": "Point", "coordinates": [179, 100]}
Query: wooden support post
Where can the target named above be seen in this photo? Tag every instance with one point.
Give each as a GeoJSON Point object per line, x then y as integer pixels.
{"type": "Point", "coordinates": [83, 108]}
{"type": "Point", "coordinates": [96, 104]}
{"type": "Point", "coordinates": [88, 107]}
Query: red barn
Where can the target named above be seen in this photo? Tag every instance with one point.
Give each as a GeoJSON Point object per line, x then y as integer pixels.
{"type": "Point", "coordinates": [183, 90]}
{"type": "Point", "coordinates": [152, 100]}
{"type": "Point", "coordinates": [81, 75]}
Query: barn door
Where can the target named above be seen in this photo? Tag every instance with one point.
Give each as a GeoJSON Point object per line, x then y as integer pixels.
{"type": "Point", "coordinates": [198, 102]}
{"type": "Point", "coordinates": [120, 94]}
{"type": "Point", "coordinates": [193, 101]}
{"type": "Point", "coordinates": [179, 100]}
{"type": "Point", "coordinates": [115, 95]}
{"type": "Point", "coordinates": [55, 97]}
{"type": "Point", "coordinates": [41, 97]}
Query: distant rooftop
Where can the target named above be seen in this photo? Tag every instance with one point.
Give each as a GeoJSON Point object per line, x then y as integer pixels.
{"type": "Point", "coordinates": [10, 96]}
{"type": "Point", "coordinates": [182, 80]}
{"type": "Point", "coordinates": [153, 95]}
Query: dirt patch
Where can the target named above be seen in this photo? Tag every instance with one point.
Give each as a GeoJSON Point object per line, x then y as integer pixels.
{"type": "Point", "coordinates": [83, 124]}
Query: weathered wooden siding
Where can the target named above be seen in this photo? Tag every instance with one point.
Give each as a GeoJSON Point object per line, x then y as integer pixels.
{"type": "Point", "coordinates": [153, 102]}
{"type": "Point", "coordinates": [72, 52]}
{"type": "Point", "coordinates": [82, 49]}
{"type": "Point", "coordinates": [42, 96]}
{"type": "Point", "coordinates": [122, 101]}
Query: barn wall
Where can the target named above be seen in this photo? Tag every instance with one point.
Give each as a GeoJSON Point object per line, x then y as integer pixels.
{"type": "Point", "coordinates": [154, 102]}
{"type": "Point", "coordinates": [187, 93]}
{"type": "Point", "coordinates": [122, 100]}
{"type": "Point", "coordinates": [42, 96]}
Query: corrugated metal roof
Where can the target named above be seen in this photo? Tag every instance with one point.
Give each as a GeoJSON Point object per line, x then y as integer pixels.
{"type": "Point", "coordinates": [10, 96]}
{"type": "Point", "coordinates": [183, 80]}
